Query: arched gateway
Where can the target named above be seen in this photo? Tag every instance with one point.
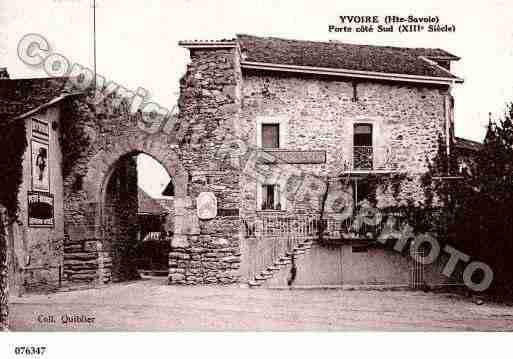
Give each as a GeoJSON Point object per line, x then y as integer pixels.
{"type": "Point", "coordinates": [203, 250]}
{"type": "Point", "coordinates": [101, 205]}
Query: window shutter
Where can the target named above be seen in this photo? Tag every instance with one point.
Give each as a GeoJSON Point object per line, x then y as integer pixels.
{"type": "Point", "coordinates": [277, 204]}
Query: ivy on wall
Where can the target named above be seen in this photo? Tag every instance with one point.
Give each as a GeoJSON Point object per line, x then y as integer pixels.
{"type": "Point", "coordinates": [74, 139]}
{"type": "Point", "coordinates": [13, 143]}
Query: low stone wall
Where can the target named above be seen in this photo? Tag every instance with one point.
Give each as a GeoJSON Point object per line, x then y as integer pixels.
{"type": "Point", "coordinates": [203, 251]}
{"type": "Point", "coordinates": [80, 260]}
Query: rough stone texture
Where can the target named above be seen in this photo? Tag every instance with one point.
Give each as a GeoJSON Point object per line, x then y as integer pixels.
{"type": "Point", "coordinates": [319, 114]}
{"type": "Point", "coordinates": [207, 251]}
{"type": "Point", "coordinates": [212, 148]}
{"type": "Point", "coordinates": [201, 252]}
{"type": "Point", "coordinates": [120, 227]}
{"type": "Point", "coordinates": [113, 133]}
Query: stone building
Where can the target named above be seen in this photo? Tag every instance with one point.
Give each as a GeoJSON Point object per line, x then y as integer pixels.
{"type": "Point", "coordinates": [276, 143]}
{"type": "Point", "coordinates": [36, 239]}
{"type": "Point", "coordinates": [303, 114]}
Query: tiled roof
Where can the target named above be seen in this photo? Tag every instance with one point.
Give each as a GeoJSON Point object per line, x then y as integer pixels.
{"type": "Point", "coordinates": [337, 55]}
{"type": "Point", "coordinates": [468, 145]}
{"type": "Point", "coordinates": [22, 95]}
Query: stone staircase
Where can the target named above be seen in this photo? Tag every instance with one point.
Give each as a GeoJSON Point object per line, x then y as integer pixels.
{"type": "Point", "coordinates": [282, 263]}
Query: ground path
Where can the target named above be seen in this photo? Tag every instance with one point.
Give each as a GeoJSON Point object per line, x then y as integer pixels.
{"type": "Point", "coordinates": [151, 305]}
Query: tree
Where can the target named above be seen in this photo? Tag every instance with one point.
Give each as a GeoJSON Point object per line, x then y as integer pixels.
{"type": "Point", "coordinates": [477, 208]}
{"type": "Point", "coordinates": [493, 202]}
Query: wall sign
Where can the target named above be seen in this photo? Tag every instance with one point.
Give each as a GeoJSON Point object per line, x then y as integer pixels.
{"type": "Point", "coordinates": [40, 209]}
{"type": "Point", "coordinates": [206, 205]}
{"type": "Point", "coordinates": [40, 166]}
{"type": "Point", "coordinates": [40, 129]}
{"type": "Point", "coordinates": [294, 157]}
{"type": "Point", "coordinates": [228, 212]}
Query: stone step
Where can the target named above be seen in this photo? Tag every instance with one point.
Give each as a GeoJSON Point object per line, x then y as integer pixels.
{"type": "Point", "coordinates": [260, 278]}
{"type": "Point", "coordinates": [266, 273]}
{"type": "Point", "coordinates": [284, 263]}
{"type": "Point", "coordinates": [254, 284]}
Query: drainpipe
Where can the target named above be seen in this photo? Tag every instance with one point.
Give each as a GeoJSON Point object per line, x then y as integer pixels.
{"type": "Point", "coordinates": [448, 125]}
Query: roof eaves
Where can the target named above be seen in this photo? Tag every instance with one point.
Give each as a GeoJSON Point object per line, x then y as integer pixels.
{"type": "Point", "coordinates": [351, 73]}
{"type": "Point", "coordinates": [435, 64]}
{"type": "Point", "coordinates": [48, 104]}
{"type": "Point", "coordinates": [464, 143]}
{"type": "Point", "coordinates": [200, 44]}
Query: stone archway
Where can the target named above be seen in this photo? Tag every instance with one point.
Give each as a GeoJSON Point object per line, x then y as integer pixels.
{"type": "Point", "coordinates": [203, 251]}
{"type": "Point", "coordinates": [88, 251]}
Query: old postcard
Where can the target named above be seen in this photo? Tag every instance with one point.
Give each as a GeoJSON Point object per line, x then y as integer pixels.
{"type": "Point", "coordinates": [184, 165]}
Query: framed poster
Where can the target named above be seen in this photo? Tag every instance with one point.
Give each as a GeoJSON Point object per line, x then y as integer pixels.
{"type": "Point", "coordinates": [40, 129]}
{"type": "Point", "coordinates": [40, 209]}
{"type": "Point", "coordinates": [40, 166]}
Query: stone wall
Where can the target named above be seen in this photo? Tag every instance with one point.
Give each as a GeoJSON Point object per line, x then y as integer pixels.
{"type": "Point", "coordinates": [207, 251]}
{"type": "Point", "coordinates": [111, 133]}
{"type": "Point", "coordinates": [37, 250]}
{"type": "Point", "coordinates": [120, 230]}
{"type": "Point", "coordinates": [220, 106]}
{"type": "Point", "coordinates": [319, 113]}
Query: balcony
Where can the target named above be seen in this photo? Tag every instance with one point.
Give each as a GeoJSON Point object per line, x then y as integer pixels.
{"type": "Point", "coordinates": [363, 158]}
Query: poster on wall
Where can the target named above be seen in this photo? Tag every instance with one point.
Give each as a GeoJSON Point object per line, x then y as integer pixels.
{"type": "Point", "coordinates": [40, 209]}
{"type": "Point", "coordinates": [40, 129]}
{"type": "Point", "coordinates": [40, 166]}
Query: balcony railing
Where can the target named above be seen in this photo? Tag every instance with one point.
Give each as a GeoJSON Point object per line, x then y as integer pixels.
{"type": "Point", "coordinates": [363, 157]}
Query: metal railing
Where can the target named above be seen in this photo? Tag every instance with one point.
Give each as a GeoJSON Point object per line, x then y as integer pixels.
{"type": "Point", "coordinates": [360, 225]}
{"type": "Point", "coordinates": [273, 239]}
{"type": "Point", "coordinates": [363, 157]}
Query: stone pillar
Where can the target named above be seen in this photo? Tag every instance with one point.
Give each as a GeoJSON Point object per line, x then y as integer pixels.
{"type": "Point", "coordinates": [186, 230]}
{"type": "Point", "coordinates": [207, 251]}
{"type": "Point", "coordinates": [81, 254]}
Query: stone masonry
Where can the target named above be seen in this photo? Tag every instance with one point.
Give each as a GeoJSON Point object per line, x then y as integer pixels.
{"type": "Point", "coordinates": [207, 251]}
{"type": "Point", "coordinates": [221, 104]}
{"type": "Point", "coordinates": [318, 114]}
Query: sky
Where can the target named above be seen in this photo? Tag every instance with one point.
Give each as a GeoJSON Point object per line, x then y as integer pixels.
{"type": "Point", "coordinates": [137, 40]}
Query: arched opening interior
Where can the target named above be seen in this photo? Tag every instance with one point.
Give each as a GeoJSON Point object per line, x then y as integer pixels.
{"type": "Point", "coordinates": [137, 218]}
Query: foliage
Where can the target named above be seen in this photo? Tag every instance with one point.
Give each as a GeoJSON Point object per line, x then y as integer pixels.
{"type": "Point", "coordinates": [73, 137]}
{"type": "Point", "coordinates": [13, 142]}
{"type": "Point", "coordinates": [477, 213]}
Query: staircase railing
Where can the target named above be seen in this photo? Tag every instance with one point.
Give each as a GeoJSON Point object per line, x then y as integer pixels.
{"type": "Point", "coordinates": [272, 240]}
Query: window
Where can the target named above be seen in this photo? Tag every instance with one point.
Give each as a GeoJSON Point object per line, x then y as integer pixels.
{"type": "Point", "coordinates": [271, 197]}
{"type": "Point", "coordinates": [270, 135]}
{"type": "Point", "coordinates": [362, 134]}
{"type": "Point", "coordinates": [361, 191]}
{"type": "Point", "coordinates": [362, 147]}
